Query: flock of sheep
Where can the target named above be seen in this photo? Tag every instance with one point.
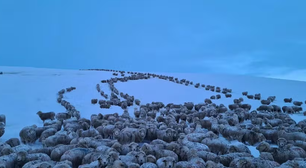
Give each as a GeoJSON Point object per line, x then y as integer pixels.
{"type": "Point", "coordinates": [161, 135]}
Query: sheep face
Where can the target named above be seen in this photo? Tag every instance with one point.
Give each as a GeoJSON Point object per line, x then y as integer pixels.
{"type": "Point", "coordinates": [134, 146]}
{"type": "Point", "coordinates": [102, 161]}
{"type": "Point", "coordinates": [281, 142]}
{"type": "Point", "coordinates": [141, 157]}
{"type": "Point", "coordinates": [168, 162]}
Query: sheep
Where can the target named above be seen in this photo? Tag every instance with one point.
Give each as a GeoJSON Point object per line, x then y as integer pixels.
{"type": "Point", "coordinates": [126, 148]}
{"type": "Point", "coordinates": [108, 131]}
{"type": "Point", "coordinates": [134, 157]}
{"type": "Point", "coordinates": [266, 102]}
{"type": "Point", "coordinates": [166, 135]}
{"type": "Point", "coordinates": [271, 98]}
{"type": "Point", "coordinates": [96, 158]}
{"type": "Point", "coordinates": [228, 158]}
{"type": "Point", "coordinates": [56, 139]}
{"type": "Point", "coordinates": [3, 119]}
{"type": "Point", "coordinates": [239, 148]}
{"type": "Point", "coordinates": [2, 131]}
{"type": "Point", "coordinates": [207, 101]}
{"type": "Point", "coordinates": [245, 162]}
{"type": "Point", "coordinates": [253, 137]}
{"type": "Point", "coordinates": [228, 95]}
{"type": "Point", "coordinates": [216, 146]}
{"type": "Point", "coordinates": [287, 109]}
{"type": "Point", "coordinates": [233, 106]}
{"type": "Point", "coordinates": [91, 132]}
{"type": "Point", "coordinates": [257, 96]}
{"type": "Point", "coordinates": [62, 116]}
{"type": "Point", "coordinates": [58, 151]}
{"type": "Point", "coordinates": [128, 135]}
{"type": "Point", "coordinates": [250, 96]}
{"type": "Point", "coordinates": [276, 108]}
{"type": "Point", "coordinates": [23, 157]}
{"type": "Point", "coordinates": [46, 116]}
{"type": "Point", "coordinates": [117, 164]}
{"type": "Point", "coordinates": [28, 134]}
{"type": "Point", "coordinates": [245, 106]}
{"type": "Point", "coordinates": [75, 155]}
{"type": "Point", "coordinates": [265, 108]}
{"type": "Point", "coordinates": [236, 101]}
{"type": "Point", "coordinates": [13, 142]}
{"type": "Point", "coordinates": [148, 165]}
{"type": "Point", "coordinates": [292, 136]}
{"type": "Point", "coordinates": [189, 105]}
{"type": "Point", "coordinates": [183, 140]}
{"type": "Point", "coordinates": [46, 133]}
{"type": "Point", "coordinates": [166, 162]}
{"type": "Point", "coordinates": [297, 109]}
{"type": "Point", "coordinates": [244, 93]}
{"type": "Point", "coordinates": [40, 164]}
{"type": "Point", "coordinates": [266, 156]}
{"type": "Point", "coordinates": [287, 100]}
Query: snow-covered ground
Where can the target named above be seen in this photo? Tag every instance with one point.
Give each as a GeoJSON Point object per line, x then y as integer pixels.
{"type": "Point", "coordinates": [24, 91]}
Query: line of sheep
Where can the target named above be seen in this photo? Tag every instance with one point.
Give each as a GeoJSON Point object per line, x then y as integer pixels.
{"type": "Point", "coordinates": [227, 92]}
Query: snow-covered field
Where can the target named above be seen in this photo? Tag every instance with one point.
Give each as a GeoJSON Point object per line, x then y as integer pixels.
{"type": "Point", "coordinates": [24, 91]}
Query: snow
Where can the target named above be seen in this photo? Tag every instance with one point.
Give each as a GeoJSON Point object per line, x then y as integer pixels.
{"type": "Point", "coordinates": [24, 91]}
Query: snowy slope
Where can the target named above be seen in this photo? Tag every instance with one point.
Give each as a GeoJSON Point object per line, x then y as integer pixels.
{"type": "Point", "coordinates": [24, 91]}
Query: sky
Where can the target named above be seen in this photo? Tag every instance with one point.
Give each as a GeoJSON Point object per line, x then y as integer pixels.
{"type": "Point", "coordinates": [262, 38]}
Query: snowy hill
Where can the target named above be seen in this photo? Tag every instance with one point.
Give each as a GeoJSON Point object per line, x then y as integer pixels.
{"type": "Point", "coordinates": [24, 91]}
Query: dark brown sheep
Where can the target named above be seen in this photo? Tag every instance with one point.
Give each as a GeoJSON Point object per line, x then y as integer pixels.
{"type": "Point", "coordinates": [244, 93]}
{"type": "Point", "coordinates": [46, 116]}
{"type": "Point", "coordinates": [94, 101]}
{"type": "Point", "coordinates": [228, 95]}
{"type": "Point", "coordinates": [287, 100]}
{"type": "Point", "coordinates": [297, 103]}
{"type": "Point", "coordinates": [250, 96]}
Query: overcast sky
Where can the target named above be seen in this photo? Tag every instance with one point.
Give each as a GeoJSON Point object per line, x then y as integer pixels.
{"type": "Point", "coordinates": [262, 37]}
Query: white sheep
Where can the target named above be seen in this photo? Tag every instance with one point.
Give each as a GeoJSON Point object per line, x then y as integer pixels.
{"type": "Point", "coordinates": [166, 162]}
{"type": "Point", "coordinates": [28, 134]}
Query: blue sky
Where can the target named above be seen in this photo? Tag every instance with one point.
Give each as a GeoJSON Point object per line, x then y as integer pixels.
{"type": "Point", "coordinates": [259, 37]}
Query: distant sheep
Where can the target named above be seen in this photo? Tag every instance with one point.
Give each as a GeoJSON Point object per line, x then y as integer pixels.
{"type": "Point", "coordinates": [94, 101]}
{"type": "Point", "coordinates": [297, 103]}
{"type": "Point", "coordinates": [137, 102]}
{"type": "Point", "coordinates": [266, 102]}
{"type": "Point", "coordinates": [257, 96]}
{"type": "Point", "coordinates": [250, 96]}
{"type": "Point", "coordinates": [271, 98]}
{"type": "Point", "coordinates": [228, 95]}
{"type": "Point", "coordinates": [244, 93]}
{"type": "Point", "coordinates": [208, 101]}
{"type": "Point", "coordinates": [287, 100]}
